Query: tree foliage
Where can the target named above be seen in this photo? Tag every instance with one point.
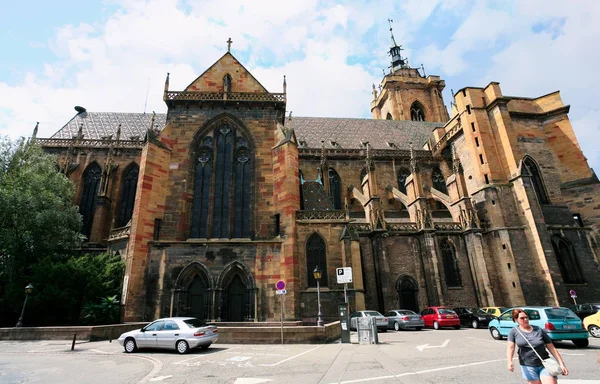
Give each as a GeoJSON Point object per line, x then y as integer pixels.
{"type": "Point", "coordinates": [39, 233]}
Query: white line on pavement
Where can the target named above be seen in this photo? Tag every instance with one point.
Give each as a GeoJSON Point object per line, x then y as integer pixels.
{"type": "Point", "coordinates": [290, 358]}
{"type": "Point", "coordinates": [205, 355]}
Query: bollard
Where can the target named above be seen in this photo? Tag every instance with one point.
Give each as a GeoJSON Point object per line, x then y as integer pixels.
{"type": "Point", "coordinates": [110, 336]}
{"type": "Point", "coordinates": [73, 344]}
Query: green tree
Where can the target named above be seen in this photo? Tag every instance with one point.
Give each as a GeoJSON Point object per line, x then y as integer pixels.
{"type": "Point", "coordinates": [38, 220]}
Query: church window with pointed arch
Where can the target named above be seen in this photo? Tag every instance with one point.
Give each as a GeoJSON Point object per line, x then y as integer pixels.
{"type": "Point", "coordinates": [567, 261]}
{"type": "Point", "coordinates": [316, 255]}
{"type": "Point", "coordinates": [227, 83]}
{"type": "Point", "coordinates": [335, 189]}
{"type": "Point", "coordinates": [128, 189]}
{"type": "Point", "coordinates": [222, 184]}
{"type": "Point", "coordinates": [536, 180]}
{"type": "Point", "coordinates": [403, 174]}
{"type": "Point", "coordinates": [89, 196]}
{"type": "Point", "coordinates": [417, 112]}
{"type": "Point", "coordinates": [451, 269]}
{"type": "Point", "coordinates": [438, 180]}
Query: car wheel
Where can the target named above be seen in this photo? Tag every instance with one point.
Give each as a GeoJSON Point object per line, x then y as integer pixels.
{"type": "Point", "coordinates": [475, 324]}
{"type": "Point", "coordinates": [205, 346]}
{"type": "Point", "coordinates": [130, 345]}
{"type": "Point", "coordinates": [436, 325]}
{"type": "Point", "coordinates": [496, 333]}
{"type": "Point", "coordinates": [581, 343]}
{"type": "Point", "coordinates": [594, 330]}
{"type": "Point", "coordinates": [182, 347]}
{"type": "Point", "coordinates": [396, 326]}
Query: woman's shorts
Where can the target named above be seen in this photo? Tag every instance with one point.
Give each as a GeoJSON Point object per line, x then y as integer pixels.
{"type": "Point", "coordinates": [534, 373]}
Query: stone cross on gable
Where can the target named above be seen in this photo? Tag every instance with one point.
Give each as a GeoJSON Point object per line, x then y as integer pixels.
{"type": "Point", "coordinates": [229, 41]}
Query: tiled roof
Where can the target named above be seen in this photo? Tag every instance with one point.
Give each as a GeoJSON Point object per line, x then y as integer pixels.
{"type": "Point", "coordinates": [98, 125]}
{"type": "Point", "coordinates": [347, 133]}
{"type": "Point", "coordinates": [343, 133]}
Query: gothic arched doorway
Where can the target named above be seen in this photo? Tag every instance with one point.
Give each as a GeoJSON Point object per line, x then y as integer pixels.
{"type": "Point", "coordinates": [237, 293]}
{"type": "Point", "coordinates": [235, 299]}
{"type": "Point", "coordinates": [408, 292]}
{"type": "Point", "coordinates": [198, 298]}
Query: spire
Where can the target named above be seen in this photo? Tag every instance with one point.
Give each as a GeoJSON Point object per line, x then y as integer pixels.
{"type": "Point", "coordinates": [167, 83]}
{"type": "Point", "coordinates": [35, 130]}
{"type": "Point", "coordinates": [395, 52]}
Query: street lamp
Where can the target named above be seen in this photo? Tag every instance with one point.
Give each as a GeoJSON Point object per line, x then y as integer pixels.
{"type": "Point", "coordinates": [318, 273]}
{"type": "Point", "coordinates": [28, 290]}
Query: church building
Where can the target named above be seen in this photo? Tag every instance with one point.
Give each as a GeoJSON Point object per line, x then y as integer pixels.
{"type": "Point", "coordinates": [214, 202]}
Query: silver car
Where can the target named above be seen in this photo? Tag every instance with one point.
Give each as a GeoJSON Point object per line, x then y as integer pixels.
{"type": "Point", "coordinates": [404, 319]}
{"type": "Point", "coordinates": [382, 322]}
{"type": "Point", "coordinates": [178, 333]}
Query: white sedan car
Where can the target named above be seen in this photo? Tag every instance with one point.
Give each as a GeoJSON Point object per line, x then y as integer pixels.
{"type": "Point", "coordinates": [178, 333]}
{"type": "Point", "coordinates": [382, 321]}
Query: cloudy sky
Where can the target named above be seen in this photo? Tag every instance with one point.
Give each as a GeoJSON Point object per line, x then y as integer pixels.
{"type": "Point", "coordinates": [113, 55]}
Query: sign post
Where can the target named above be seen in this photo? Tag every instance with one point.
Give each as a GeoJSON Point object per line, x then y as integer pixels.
{"type": "Point", "coordinates": [573, 295]}
{"type": "Point", "coordinates": [280, 286]}
{"type": "Point", "coordinates": [344, 276]}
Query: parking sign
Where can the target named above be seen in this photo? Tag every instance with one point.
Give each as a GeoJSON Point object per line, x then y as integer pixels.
{"type": "Point", "coordinates": [344, 275]}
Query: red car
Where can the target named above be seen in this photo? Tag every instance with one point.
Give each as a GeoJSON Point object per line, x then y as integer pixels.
{"type": "Point", "coordinates": [437, 317]}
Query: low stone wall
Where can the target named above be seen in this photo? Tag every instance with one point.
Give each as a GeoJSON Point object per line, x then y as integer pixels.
{"type": "Point", "coordinates": [229, 333]}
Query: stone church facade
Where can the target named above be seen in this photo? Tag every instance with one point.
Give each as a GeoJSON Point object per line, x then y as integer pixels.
{"type": "Point", "coordinates": [215, 201]}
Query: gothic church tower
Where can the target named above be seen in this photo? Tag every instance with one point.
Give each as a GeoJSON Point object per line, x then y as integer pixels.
{"type": "Point", "coordinates": [406, 94]}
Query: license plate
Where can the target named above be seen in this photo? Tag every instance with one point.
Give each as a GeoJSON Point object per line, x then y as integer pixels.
{"type": "Point", "coordinates": [568, 326]}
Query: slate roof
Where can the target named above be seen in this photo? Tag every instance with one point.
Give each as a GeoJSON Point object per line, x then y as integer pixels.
{"type": "Point", "coordinates": [345, 133]}
{"type": "Point", "coordinates": [97, 125]}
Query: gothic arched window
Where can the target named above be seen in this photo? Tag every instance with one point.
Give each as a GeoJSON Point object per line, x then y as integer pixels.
{"type": "Point", "coordinates": [89, 194]}
{"type": "Point", "coordinates": [316, 255]}
{"type": "Point", "coordinates": [536, 180]}
{"type": "Point", "coordinates": [567, 261]}
{"type": "Point", "coordinates": [128, 189]}
{"type": "Point", "coordinates": [451, 270]}
{"type": "Point", "coordinates": [335, 189]}
{"type": "Point", "coordinates": [417, 112]}
{"type": "Point", "coordinates": [438, 180]}
{"type": "Point", "coordinates": [227, 83]}
{"type": "Point", "coordinates": [403, 174]}
{"type": "Point", "coordinates": [222, 185]}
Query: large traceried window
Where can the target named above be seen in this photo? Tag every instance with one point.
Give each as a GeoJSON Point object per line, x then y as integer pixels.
{"type": "Point", "coordinates": [89, 195]}
{"type": "Point", "coordinates": [222, 185]}
{"type": "Point", "coordinates": [451, 269]}
{"type": "Point", "coordinates": [567, 261]}
{"type": "Point", "coordinates": [438, 180]}
{"type": "Point", "coordinates": [335, 189]}
{"type": "Point", "coordinates": [128, 189]}
{"type": "Point", "coordinates": [417, 112]}
{"type": "Point", "coordinates": [536, 180]}
{"type": "Point", "coordinates": [316, 255]}
{"type": "Point", "coordinates": [403, 174]}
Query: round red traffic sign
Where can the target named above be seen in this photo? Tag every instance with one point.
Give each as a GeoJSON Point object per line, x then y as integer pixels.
{"type": "Point", "coordinates": [280, 285]}
{"type": "Point", "coordinates": [572, 292]}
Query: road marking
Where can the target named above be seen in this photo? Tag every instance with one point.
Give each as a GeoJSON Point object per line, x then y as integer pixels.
{"type": "Point", "coordinates": [250, 380]}
{"type": "Point", "coordinates": [157, 366]}
{"type": "Point", "coordinates": [420, 372]}
{"type": "Point", "coordinates": [239, 358]}
{"type": "Point", "coordinates": [488, 340]}
{"type": "Point", "coordinates": [160, 378]}
{"type": "Point", "coordinates": [205, 355]}
{"type": "Point", "coordinates": [103, 352]}
{"type": "Point", "coordinates": [422, 347]}
{"type": "Point", "coordinates": [572, 354]}
{"type": "Point", "coordinates": [290, 358]}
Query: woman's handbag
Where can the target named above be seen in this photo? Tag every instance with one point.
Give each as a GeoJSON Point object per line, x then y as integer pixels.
{"type": "Point", "coordinates": [550, 364]}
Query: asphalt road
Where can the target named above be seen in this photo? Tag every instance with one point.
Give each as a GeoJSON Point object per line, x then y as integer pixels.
{"type": "Point", "coordinates": [445, 356]}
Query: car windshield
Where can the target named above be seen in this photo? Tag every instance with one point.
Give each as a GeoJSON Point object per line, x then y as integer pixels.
{"type": "Point", "coordinates": [406, 313]}
{"type": "Point", "coordinates": [560, 313]}
{"type": "Point", "coordinates": [194, 323]}
{"type": "Point", "coordinates": [445, 311]}
{"type": "Point", "coordinates": [373, 313]}
{"type": "Point", "coordinates": [502, 309]}
{"type": "Point", "coordinates": [479, 311]}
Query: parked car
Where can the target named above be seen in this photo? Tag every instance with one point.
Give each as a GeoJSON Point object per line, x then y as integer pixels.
{"type": "Point", "coordinates": [592, 324]}
{"type": "Point", "coordinates": [178, 333]}
{"type": "Point", "coordinates": [473, 317]}
{"type": "Point", "coordinates": [496, 311]}
{"type": "Point", "coordinates": [585, 310]}
{"type": "Point", "coordinates": [438, 317]}
{"type": "Point", "coordinates": [560, 323]}
{"type": "Point", "coordinates": [382, 321]}
{"type": "Point", "coordinates": [404, 319]}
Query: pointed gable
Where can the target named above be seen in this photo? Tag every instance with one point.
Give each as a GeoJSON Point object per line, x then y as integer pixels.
{"type": "Point", "coordinates": [212, 80]}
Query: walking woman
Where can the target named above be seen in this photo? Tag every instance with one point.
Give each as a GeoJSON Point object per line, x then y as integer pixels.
{"type": "Point", "coordinates": [531, 365]}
